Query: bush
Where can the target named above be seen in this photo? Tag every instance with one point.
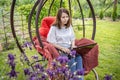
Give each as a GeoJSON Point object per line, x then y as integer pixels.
{"type": "Point", "coordinates": [118, 11]}
{"type": "Point", "coordinates": [114, 14]}
{"type": "Point", "coordinates": [90, 14]}
{"type": "Point", "coordinates": [108, 13]}
{"type": "Point", "coordinates": [118, 15]}
{"type": "Point", "coordinates": [8, 46]}
{"type": "Point", "coordinates": [101, 15]}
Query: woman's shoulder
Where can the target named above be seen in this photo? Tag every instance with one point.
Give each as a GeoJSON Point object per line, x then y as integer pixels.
{"type": "Point", "coordinates": [53, 27]}
{"type": "Point", "coordinates": [70, 26]}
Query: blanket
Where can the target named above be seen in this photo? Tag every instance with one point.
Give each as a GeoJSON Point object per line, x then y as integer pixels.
{"type": "Point", "coordinates": [89, 55]}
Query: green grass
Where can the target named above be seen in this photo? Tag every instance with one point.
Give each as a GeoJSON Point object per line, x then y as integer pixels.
{"type": "Point", "coordinates": [108, 38]}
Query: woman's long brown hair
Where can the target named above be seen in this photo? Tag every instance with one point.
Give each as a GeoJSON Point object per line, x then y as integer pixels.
{"type": "Point", "coordinates": [57, 22]}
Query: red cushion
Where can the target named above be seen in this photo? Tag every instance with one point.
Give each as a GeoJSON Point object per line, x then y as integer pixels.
{"type": "Point", "coordinates": [45, 25]}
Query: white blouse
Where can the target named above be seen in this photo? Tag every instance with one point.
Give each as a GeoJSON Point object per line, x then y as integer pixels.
{"type": "Point", "coordinates": [62, 37]}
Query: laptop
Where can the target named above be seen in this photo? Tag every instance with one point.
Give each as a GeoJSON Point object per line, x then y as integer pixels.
{"type": "Point", "coordinates": [85, 46]}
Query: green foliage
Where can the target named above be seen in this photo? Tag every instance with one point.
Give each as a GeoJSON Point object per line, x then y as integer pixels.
{"type": "Point", "coordinates": [90, 14]}
{"type": "Point", "coordinates": [114, 14]}
{"type": "Point", "coordinates": [76, 10]}
{"type": "Point", "coordinates": [20, 2]}
{"type": "Point", "coordinates": [4, 3]}
{"type": "Point", "coordinates": [8, 46]}
{"type": "Point", "coordinates": [108, 13]}
{"type": "Point", "coordinates": [25, 10]}
{"type": "Point", "coordinates": [26, 6]}
{"type": "Point", "coordinates": [76, 14]}
{"type": "Point", "coordinates": [79, 28]}
{"type": "Point", "coordinates": [101, 15]}
{"type": "Point", "coordinates": [118, 10]}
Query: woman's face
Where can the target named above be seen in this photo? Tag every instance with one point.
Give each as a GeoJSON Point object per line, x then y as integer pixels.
{"type": "Point", "coordinates": [64, 18]}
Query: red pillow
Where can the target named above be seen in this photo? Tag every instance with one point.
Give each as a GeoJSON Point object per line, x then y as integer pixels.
{"type": "Point", "coordinates": [45, 25]}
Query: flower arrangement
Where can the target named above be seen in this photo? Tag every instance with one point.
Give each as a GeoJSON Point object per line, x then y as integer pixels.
{"type": "Point", "coordinates": [12, 64]}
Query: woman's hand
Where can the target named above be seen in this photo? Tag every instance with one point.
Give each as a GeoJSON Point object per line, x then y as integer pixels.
{"type": "Point", "coordinates": [73, 47]}
{"type": "Point", "coordinates": [66, 50]}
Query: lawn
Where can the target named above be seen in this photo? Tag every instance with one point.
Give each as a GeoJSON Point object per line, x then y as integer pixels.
{"type": "Point", "coordinates": [107, 36]}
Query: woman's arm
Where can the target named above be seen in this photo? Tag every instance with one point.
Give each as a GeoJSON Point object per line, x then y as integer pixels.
{"type": "Point", "coordinates": [73, 44]}
{"type": "Point", "coordinates": [51, 38]}
{"type": "Point", "coordinates": [72, 38]}
{"type": "Point", "coordinates": [66, 50]}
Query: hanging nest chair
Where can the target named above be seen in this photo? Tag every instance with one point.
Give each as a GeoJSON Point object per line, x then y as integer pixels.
{"type": "Point", "coordinates": [39, 4]}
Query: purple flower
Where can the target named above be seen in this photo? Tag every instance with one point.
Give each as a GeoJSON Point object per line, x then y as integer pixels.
{"type": "Point", "coordinates": [70, 75]}
{"type": "Point", "coordinates": [27, 71]}
{"type": "Point", "coordinates": [80, 72]}
{"type": "Point", "coordinates": [58, 70]}
{"type": "Point", "coordinates": [13, 66]}
{"type": "Point", "coordinates": [108, 77]}
{"type": "Point", "coordinates": [32, 77]}
{"type": "Point", "coordinates": [43, 77]}
{"type": "Point", "coordinates": [11, 63]}
{"type": "Point", "coordinates": [38, 66]}
{"type": "Point", "coordinates": [50, 72]}
{"type": "Point", "coordinates": [35, 57]}
{"type": "Point", "coordinates": [73, 53]}
{"type": "Point", "coordinates": [64, 69]}
{"type": "Point", "coordinates": [75, 78]}
{"type": "Point", "coordinates": [12, 73]}
{"type": "Point", "coordinates": [27, 44]}
{"type": "Point", "coordinates": [54, 64]}
{"type": "Point", "coordinates": [62, 59]}
{"type": "Point", "coordinates": [71, 79]}
{"type": "Point", "coordinates": [11, 57]}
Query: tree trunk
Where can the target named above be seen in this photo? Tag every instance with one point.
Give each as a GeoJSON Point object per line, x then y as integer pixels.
{"type": "Point", "coordinates": [115, 4]}
{"type": "Point", "coordinates": [114, 15]}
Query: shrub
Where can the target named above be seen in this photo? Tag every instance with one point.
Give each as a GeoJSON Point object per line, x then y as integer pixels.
{"type": "Point", "coordinates": [108, 13]}
{"type": "Point", "coordinates": [90, 14]}
{"type": "Point", "coordinates": [101, 15]}
{"type": "Point", "coordinates": [114, 14]}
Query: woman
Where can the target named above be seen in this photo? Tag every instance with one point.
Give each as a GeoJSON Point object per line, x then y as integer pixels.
{"type": "Point", "coordinates": [61, 35]}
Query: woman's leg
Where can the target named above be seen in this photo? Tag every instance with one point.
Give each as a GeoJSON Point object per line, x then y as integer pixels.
{"type": "Point", "coordinates": [79, 65]}
{"type": "Point", "coordinates": [72, 65]}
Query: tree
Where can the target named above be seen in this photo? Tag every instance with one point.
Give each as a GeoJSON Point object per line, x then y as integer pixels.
{"type": "Point", "coordinates": [114, 15]}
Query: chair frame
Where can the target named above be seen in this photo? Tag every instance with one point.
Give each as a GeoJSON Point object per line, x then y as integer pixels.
{"type": "Point", "coordinates": [40, 4]}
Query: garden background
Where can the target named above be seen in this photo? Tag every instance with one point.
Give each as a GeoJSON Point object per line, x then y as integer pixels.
{"type": "Point", "coordinates": [107, 33]}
